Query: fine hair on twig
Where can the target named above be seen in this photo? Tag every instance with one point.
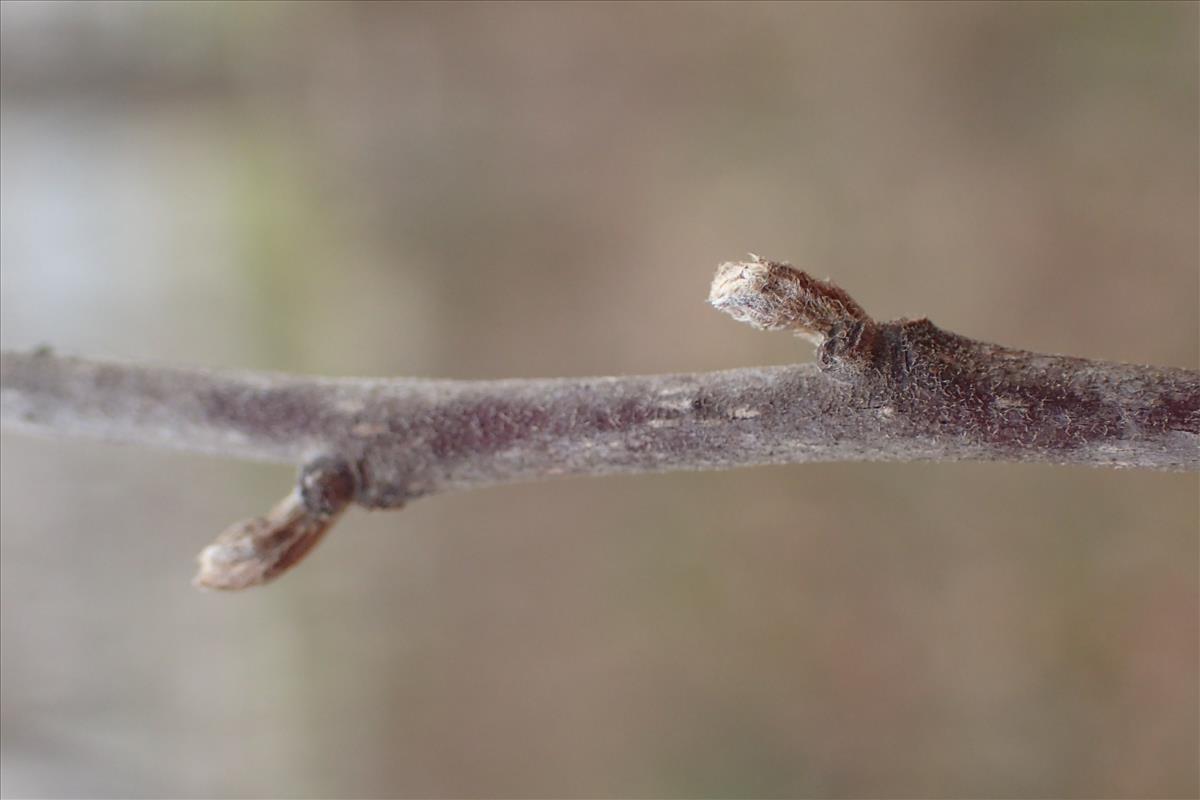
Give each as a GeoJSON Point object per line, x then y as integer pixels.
{"type": "Point", "coordinates": [880, 391]}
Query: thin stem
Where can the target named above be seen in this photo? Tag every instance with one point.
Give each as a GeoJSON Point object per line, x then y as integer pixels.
{"type": "Point", "coordinates": [895, 391]}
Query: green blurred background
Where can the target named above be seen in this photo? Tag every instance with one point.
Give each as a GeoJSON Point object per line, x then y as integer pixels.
{"type": "Point", "coordinates": [539, 190]}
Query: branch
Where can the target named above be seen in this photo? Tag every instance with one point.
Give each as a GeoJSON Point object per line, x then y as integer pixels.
{"type": "Point", "coordinates": [894, 391]}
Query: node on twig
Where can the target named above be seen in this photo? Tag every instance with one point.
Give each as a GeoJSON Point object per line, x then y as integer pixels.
{"type": "Point", "coordinates": [903, 390]}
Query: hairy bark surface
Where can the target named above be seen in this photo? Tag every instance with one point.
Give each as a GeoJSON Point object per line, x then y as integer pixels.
{"type": "Point", "coordinates": [895, 391]}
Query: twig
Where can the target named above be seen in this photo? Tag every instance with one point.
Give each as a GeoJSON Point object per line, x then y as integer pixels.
{"type": "Point", "coordinates": [895, 391]}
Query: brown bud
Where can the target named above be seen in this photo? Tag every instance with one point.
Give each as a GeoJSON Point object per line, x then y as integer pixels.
{"type": "Point", "coordinates": [779, 297]}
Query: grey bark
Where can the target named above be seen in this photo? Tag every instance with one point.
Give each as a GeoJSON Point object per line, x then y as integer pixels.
{"type": "Point", "coordinates": [409, 438]}
{"type": "Point", "coordinates": [897, 391]}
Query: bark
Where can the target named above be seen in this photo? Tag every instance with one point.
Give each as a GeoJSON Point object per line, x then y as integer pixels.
{"type": "Point", "coordinates": [896, 391]}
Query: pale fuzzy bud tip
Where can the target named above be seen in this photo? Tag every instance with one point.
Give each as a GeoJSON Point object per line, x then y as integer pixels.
{"type": "Point", "coordinates": [774, 296]}
{"type": "Point", "coordinates": [255, 551]}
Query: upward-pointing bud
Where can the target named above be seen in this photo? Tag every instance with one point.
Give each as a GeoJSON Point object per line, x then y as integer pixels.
{"type": "Point", "coordinates": [779, 297]}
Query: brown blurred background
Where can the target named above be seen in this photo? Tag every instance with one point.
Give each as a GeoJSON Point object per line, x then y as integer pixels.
{"type": "Point", "coordinates": [534, 190]}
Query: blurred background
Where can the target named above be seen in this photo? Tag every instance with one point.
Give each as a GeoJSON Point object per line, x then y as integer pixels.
{"type": "Point", "coordinates": [509, 190]}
